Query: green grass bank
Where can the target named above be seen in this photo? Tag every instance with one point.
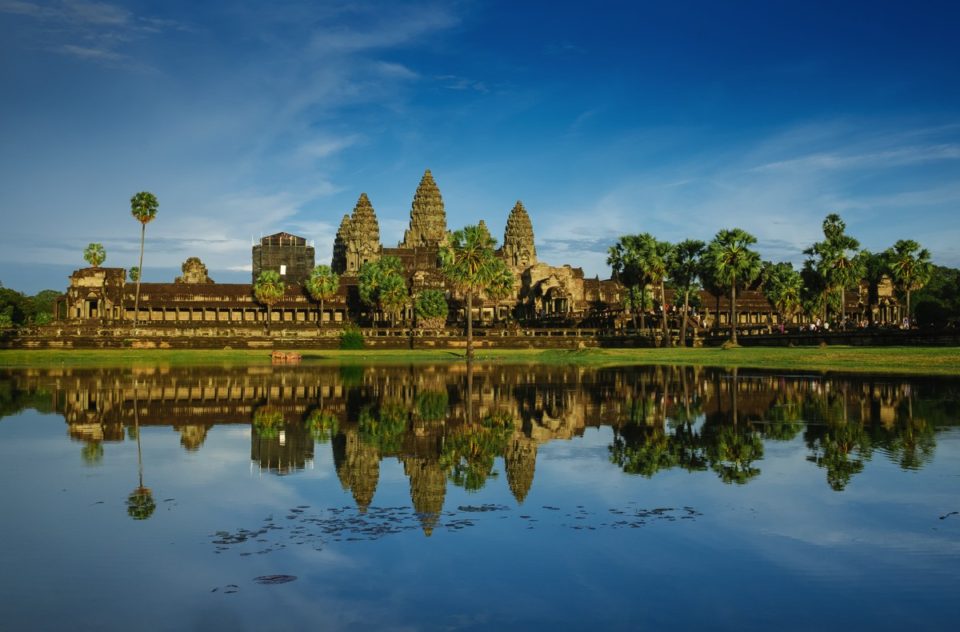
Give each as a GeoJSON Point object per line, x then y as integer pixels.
{"type": "Point", "coordinates": [899, 360]}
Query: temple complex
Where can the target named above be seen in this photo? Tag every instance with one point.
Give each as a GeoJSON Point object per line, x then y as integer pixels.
{"type": "Point", "coordinates": [544, 294]}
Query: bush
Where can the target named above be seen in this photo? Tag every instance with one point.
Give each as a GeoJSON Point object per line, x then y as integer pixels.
{"type": "Point", "coordinates": [351, 338]}
{"type": "Point", "coordinates": [431, 305]}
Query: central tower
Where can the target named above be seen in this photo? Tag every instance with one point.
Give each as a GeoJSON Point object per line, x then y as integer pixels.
{"type": "Point", "coordinates": [428, 220]}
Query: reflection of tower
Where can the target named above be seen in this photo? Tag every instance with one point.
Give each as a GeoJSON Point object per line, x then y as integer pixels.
{"type": "Point", "coordinates": [428, 487]}
{"type": "Point", "coordinates": [282, 449]}
{"type": "Point", "coordinates": [358, 467]}
{"type": "Point", "coordinates": [520, 460]}
{"type": "Point", "coordinates": [192, 437]}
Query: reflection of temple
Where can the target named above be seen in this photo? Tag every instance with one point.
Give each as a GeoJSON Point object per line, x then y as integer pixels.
{"type": "Point", "coordinates": [442, 433]}
{"type": "Point", "coordinates": [358, 467]}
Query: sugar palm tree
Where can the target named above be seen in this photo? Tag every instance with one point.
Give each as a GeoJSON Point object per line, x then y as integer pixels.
{"type": "Point", "coordinates": [624, 261]}
{"type": "Point", "coordinates": [143, 207]}
{"type": "Point", "coordinates": [653, 257]}
{"type": "Point", "coordinates": [383, 285]}
{"type": "Point", "coordinates": [268, 290]}
{"type": "Point", "coordinates": [322, 286]}
{"type": "Point", "coordinates": [683, 267]}
{"type": "Point", "coordinates": [835, 260]}
{"type": "Point", "coordinates": [94, 254]}
{"type": "Point", "coordinates": [911, 268]}
{"type": "Point", "coordinates": [467, 261]}
{"type": "Point", "coordinates": [783, 287]}
{"type": "Point", "coordinates": [140, 502]}
{"type": "Point", "coordinates": [733, 263]}
{"type": "Point", "coordinates": [501, 284]}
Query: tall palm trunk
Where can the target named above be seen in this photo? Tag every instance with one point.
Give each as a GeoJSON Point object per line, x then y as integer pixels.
{"type": "Point", "coordinates": [136, 300]}
{"type": "Point", "coordinates": [469, 326]}
{"type": "Point", "coordinates": [683, 322]}
{"type": "Point", "coordinates": [733, 310]}
{"type": "Point", "coordinates": [667, 341]}
{"type": "Point", "coordinates": [320, 315]}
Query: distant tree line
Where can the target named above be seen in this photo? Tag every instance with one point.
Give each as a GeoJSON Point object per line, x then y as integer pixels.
{"type": "Point", "coordinates": [728, 264]}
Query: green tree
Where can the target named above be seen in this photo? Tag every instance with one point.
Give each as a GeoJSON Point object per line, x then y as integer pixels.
{"type": "Point", "coordinates": [134, 274]}
{"type": "Point", "coordinates": [836, 260]}
{"type": "Point", "coordinates": [269, 290]}
{"type": "Point", "coordinates": [500, 285]}
{"type": "Point", "coordinates": [467, 262]}
{"type": "Point", "coordinates": [653, 259]}
{"type": "Point", "coordinates": [95, 254]}
{"type": "Point", "coordinates": [783, 287]}
{"type": "Point", "coordinates": [874, 267]}
{"type": "Point", "coordinates": [383, 285]}
{"type": "Point", "coordinates": [624, 261]}
{"type": "Point", "coordinates": [431, 308]}
{"type": "Point", "coordinates": [322, 285]}
{"type": "Point", "coordinates": [143, 207]}
{"type": "Point", "coordinates": [911, 268]}
{"type": "Point", "coordinates": [733, 264]}
{"type": "Point", "coordinates": [683, 267]}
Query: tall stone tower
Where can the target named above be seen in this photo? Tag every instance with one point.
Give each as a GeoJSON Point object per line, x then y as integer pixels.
{"type": "Point", "coordinates": [518, 248]}
{"type": "Point", "coordinates": [358, 239]}
{"type": "Point", "coordinates": [428, 220]}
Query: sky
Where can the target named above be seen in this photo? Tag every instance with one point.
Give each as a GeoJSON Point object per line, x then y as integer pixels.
{"type": "Point", "coordinates": [675, 118]}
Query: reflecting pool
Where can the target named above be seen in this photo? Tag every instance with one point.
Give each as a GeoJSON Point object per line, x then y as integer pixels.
{"type": "Point", "coordinates": [431, 497]}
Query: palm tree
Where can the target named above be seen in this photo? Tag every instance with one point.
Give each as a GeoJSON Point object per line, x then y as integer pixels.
{"type": "Point", "coordinates": [501, 284]}
{"type": "Point", "coordinates": [875, 266]}
{"type": "Point", "coordinates": [783, 287]}
{"type": "Point", "coordinates": [653, 259]}
{"type": "Point", "coordinates": [383, 284]}
{"type": "Point", "coordinates": [467, 262]}
{"type": "Point", "coordinates": [683, 267]}
{"type": "Point", "coordinates": [94, 254]}
{"type": "Point", "coordinates": [322, 286]}
{"type": "Point", "coordinates": [134, 273]}
{"type": "Point", "coordinates": [624, 261]}
{"type": "Point", "coordinates": [911, 268]}
{"type": "Point", "coordinates": [140, 502]}
{"type": "Point", "coordinates": [836, 260]}
{"type": "Point", "coordinates": [143, 207]}
{"type": "Point", "coordinates": [733, 263]}
{"type": "Point", "coordinates": [268, 290]}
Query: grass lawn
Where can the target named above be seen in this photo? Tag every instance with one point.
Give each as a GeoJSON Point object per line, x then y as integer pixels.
{"type": "Point", "coordinates": [901, 360]}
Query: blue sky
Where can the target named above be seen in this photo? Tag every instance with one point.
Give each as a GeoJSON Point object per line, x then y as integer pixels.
{"type": "Point", "coordinates": [677, 118]}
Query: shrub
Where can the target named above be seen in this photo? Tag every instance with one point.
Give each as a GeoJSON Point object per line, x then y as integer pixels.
{"type": "Point", "coordinates": [431, 308]}
{"type": "Point", "coordinates": [351, 338]}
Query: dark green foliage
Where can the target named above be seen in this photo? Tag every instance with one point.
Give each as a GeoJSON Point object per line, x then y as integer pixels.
{"type": "Point", "coordinates": [140, 504]}
{"type": "Point", "coordinates": [432, 405]}
{"type": "Point", "coordinates": [431, 304]}
{"type": "Point", "coordinates": [323, 425]}
{"type": "Point", "coordinates": [17, 309]}
{"type": "Point", "coordinates": [938, 303]}
{"type": "Point", "coordinates": [384, 427]}
{"type": "Point", "coordinates": [351, 338]}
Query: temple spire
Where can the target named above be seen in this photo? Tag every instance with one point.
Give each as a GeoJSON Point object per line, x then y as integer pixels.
{"type": "Point", "coordinates": [518, 247]}
{"type": "Point", "coordinates": [428, 220]}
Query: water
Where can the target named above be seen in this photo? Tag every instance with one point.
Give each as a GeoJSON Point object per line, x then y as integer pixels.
{"type": "Point", "coordinates": [518, 497]}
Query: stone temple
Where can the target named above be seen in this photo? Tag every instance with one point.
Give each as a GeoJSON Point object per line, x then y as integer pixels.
{"type": "Point", "coordinates": [544, 294]}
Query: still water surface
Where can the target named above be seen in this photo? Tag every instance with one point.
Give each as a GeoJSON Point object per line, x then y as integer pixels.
{"type": "Point", "coordinates": [512, 497]}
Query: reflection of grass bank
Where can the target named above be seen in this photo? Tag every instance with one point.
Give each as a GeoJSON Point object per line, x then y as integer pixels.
{"type": "Point", "coordinates": [915, 360]}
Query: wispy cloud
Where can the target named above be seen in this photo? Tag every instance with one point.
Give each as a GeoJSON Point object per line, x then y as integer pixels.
{"type": "Point", "coordinates": [92, 31]}
{"type": "Point", "coordinates": [900, 156]}
{"type": "Point", "coordinates": [779, 188]}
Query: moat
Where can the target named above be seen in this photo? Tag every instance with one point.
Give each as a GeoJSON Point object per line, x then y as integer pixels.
{"type": "Point", "coordinates": [505, 496]}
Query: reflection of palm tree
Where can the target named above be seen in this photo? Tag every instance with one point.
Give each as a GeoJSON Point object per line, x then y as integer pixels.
{"type": "Point", "coordinates": [732, 453]}
{"type": "Point", "coordinates": [92, 453]}
{"type": "Point", "coordinates": [140, 503]}
{"type": "Point", "coordinates": [842, 450]}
